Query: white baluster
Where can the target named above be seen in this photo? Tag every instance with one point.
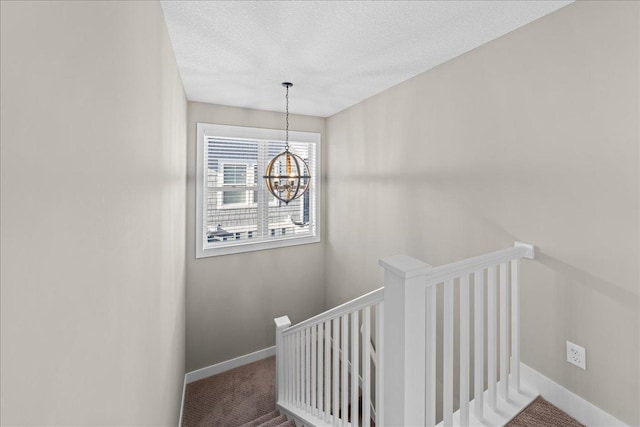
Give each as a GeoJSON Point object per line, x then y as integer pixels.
{"type": "Point", "coordinates": [447, 356]}
{"type": "Point", "coordinates": [355, 336]}
{"type": "Point", "coordinates": [379, 367]}
{"type": "Point", "coordinates": [336, 369]}
{"type": "Point", "coordinates": [345, 369]}
{"type": "Point", "coordinates": [303, 367]}
{"type": "Point", "coordinates": [314, 369]}
{"type": "Point", "coordinates": [430, 353]}
{"type": "Point", "coordinates": [327, 370]}
{"type": "Point", "coordinates": [366, 368]}
{"type": "Point", "coordinates": [504, 332]}
{"type": "Point", "coordinates": [515, 313]}
{"type": "Point", "coordinates": [320, 369]}
{"type": "Point", "coordinates": [298, 368]}
{"type": "Point", "coordinates": [492, 341]}
{"type": "Point", "coordinates": [478, 353]}
{"type": "Point", "coordinates": [307, 371]}
{"type": "Point", "coordinates": [515, 325]}
{"type": "Point", "coordinates": [287, 370]}
{"type": "Point", "coordinates": [464, 350]}
{"type": "Point", "coordinates": [292, 366]}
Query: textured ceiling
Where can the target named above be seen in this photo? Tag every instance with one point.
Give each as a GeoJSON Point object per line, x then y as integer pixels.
{"type": "Point", "coordinates": [337, 53]}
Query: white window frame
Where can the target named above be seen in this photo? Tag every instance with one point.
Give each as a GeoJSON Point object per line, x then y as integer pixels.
{"type": "Point", "coordinates": [204, 130]}
{"type": "Point", "coordinates": [248, 199]}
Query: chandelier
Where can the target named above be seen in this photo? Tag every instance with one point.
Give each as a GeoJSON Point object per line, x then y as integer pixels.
{"type": "Point", "coordinates": [287, 175]}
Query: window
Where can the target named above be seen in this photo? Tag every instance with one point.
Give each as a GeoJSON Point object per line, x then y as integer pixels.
{"type": "Point", "coordinates": [234, 175]}
{"type": "Point", "coordinates": [235, 211]}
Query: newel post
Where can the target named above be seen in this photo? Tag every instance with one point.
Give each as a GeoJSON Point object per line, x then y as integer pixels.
{"type": "Point", "coordinates": [404, 340]}
{"type": "Point", "coordinates": [282, 323]}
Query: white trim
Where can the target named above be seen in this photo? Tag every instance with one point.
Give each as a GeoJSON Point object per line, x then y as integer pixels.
{"type": "Point", "coordinates": [248, 246]}
{"type": "Point", "coordinates": [218, 368]}
{"type": "Point", "coordinates": [184, 390]}
{"type": "Point", "coordinates": [583, 411]}
{"type": "Point", "coordinates": [253, 133]}
{"type": "Point", "coordinates": [456, 269]}
{"type": "Point", "coordinates": [241, 132]}
{"type": "Point", "coordinates": [353, 305]}
{"type": "Point", "coordinates": [507, 409]}
{"type": "Point", "coordinates": [302, 418]}
{"type": "Point", "coordinates": [531, 250]}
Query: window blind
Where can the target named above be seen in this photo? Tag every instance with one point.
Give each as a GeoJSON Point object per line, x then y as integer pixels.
{"type": "Point", "coordinates": [238, 208]}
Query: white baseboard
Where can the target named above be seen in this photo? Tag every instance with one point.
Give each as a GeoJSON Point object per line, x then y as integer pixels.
{"type": "Point", "coordinates": [229, 364]}
{"type": "Point", "coordinates": [583, 411]}
{"type": "Point", "coordinates": [184, 389]}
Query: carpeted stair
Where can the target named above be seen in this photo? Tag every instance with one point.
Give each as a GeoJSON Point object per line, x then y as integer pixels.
{"type": "Point", "coordinates": [272, 419]}
{"type": "Point", "coordinates": [542, 413]}
{"type": "Point", "coordinates": [243, 396]}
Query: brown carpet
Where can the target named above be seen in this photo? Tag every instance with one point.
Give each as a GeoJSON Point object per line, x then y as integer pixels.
{"type": "Point", "coordinates": [542, 413]}
{"type": "Point", "coordinates": [244, 395]}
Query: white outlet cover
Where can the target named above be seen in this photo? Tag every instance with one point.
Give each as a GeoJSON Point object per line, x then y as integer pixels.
{"type": "Point", "coordinates": [576, 355]}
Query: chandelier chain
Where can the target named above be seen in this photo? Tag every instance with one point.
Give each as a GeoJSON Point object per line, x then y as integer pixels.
{"type": "Point", "coordinates": [286, 138]}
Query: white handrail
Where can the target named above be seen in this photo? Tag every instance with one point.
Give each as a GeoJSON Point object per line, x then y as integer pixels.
{"type": "Point", "coordinates": [456, 269]}
{"type": "Point", "coordinates": [355, 304]}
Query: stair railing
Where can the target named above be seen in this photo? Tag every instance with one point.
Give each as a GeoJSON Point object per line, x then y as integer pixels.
{"type": "Point", "coordinates": [320, 361]}
{"type": "Point", "coordinates": [324, 369]}
{"type": "Point", "coordinates": [411, 329]}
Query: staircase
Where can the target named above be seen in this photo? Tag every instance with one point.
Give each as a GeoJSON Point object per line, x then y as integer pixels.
{"type": "Point", "coordinates": [402, 355]}
{"type": "Point", "coordinates": [205, 403]}
{"type": "Point", "coordinates": [433, 347]}
{"type": "Point", "coordinates": [272, 419]}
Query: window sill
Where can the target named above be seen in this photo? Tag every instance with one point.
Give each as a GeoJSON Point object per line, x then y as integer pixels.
{"type": "Point", "coordinates": [248, 246]}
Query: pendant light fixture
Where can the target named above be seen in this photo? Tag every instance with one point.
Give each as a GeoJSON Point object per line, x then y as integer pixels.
{"type": "Point", "coordinates": [287, 175]}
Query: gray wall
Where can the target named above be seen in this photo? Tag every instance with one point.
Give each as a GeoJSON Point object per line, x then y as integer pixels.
{"type": "Point", "coordinates": [233, 299]}
{"type": "Point", "coordinates": [93, 218]}
{"type": "Point", "coordinates": [531, 137]}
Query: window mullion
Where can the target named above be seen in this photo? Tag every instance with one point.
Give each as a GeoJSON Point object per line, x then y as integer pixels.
{"type": "Point", "coordinates": [263, 199]}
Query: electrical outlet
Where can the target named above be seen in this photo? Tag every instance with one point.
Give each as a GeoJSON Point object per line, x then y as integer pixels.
{"type": "Point", "coordinates": [576, 355]}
